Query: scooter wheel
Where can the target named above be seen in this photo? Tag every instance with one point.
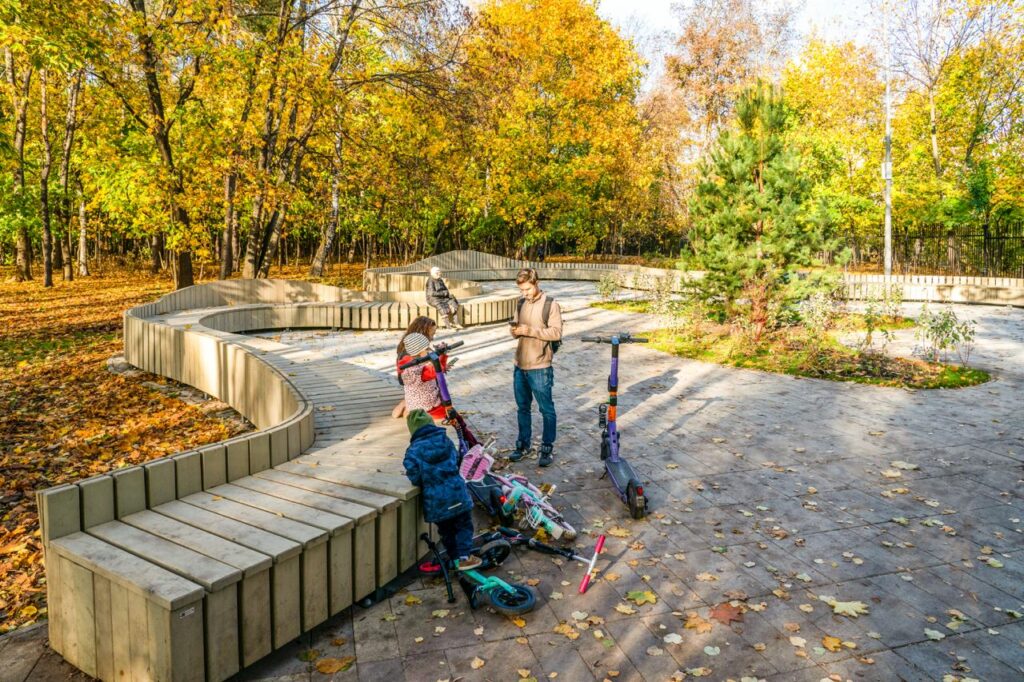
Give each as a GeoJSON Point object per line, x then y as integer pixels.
{"type": "Point", "coordinates": [494, 553]}
{"type": "Point", "coordinates": [635, 499]}
{"type": "Point", "coordinates": [513, 604]}
{"type": "Point", "coordinates": [503, 518]}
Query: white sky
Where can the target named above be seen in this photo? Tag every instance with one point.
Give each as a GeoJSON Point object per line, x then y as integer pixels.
{"type": "Point", "coordinates": [644, 20]}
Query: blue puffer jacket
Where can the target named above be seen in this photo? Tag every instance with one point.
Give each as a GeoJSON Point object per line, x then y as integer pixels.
{"type": "Point", "coordinates": [431, 462]}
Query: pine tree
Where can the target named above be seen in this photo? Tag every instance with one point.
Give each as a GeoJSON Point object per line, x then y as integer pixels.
{"type": "Point", "coordinates": [752, 214]}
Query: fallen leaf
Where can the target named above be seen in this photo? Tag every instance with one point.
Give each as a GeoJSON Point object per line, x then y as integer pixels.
{"type": "Point", "coordinates": [567, 630]}
{"type": "Point", "coordinates": [654, 651]}
{"type": "Point", "coordinates": [309, 655]}
{"type": "Point", "coordinates": [625, 608]}
{"type": "Point", "coordinates": [477, 663]}
{"type": "Point", "coordinates": [673, 638]}
{"type": "Point", "coordinates": [706, 577]}
{"type": "Point", "coordinates": [797, 641]}
{"type": "Point", "coordinates": [831, 643]}
{"type": "Point", "coordinates": [726, 613]}
{"type": "Point", "coordinates": [517, 621]}
{"type": "Point", "coordinates": [439, 613]}
{"type": "Point", "coordinates": [934, 634]}
{"type": "Point", "coordinates": [712, 650]}
{"type": "Point", "coordinates": [618, 532]}
{"type": "Point", "coordinates": [852, 609]}
{"type": "Point", "coordinates": [412, 600]}
{"type": "Point", "coordinates": [906, 466]}
{"type": "Point", "coordinates": [329, 666]}
{"type": "Point", "coordinates": [695, 622]}
{"type": "Point", "coordinates": [641, 597]}
{"type": "Point", "coordinates": [612, 577]}
{"type": "Point", "coordinates": [580, 615]}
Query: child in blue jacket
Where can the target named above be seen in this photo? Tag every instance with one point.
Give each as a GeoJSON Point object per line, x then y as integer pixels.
{"type": "Point", "coordinates": [431, 462]}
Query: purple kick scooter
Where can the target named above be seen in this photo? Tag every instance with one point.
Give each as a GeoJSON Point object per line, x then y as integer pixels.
{"type": "Point", "coordinates": [624, 478]}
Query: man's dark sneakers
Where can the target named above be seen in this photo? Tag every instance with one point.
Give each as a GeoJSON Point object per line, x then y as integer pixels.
{"type": "Point", "coordinates": [520, 452]}
{"type": "Point", "coordinates": [547, 455]}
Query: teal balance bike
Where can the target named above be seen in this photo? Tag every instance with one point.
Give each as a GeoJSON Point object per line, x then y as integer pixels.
{"type": "Point", "coordinates": [510, 599]}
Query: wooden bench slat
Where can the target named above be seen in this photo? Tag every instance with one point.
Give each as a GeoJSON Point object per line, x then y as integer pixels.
{"type": "Point", "coordinates": [276, 547]}
{"type": "Point", "coordinates": [210, 573]}
{"type": "Point", "coordinates": [359, 513]}
{"type": "Point", "coordinates": [303, 533]}
{"type": "Point", "coordinates": [385, 484]}
{"type": "Point", "coordinates": [169, 590]}
{"type": "Point", "coordinates": [225, 551]}
{"type": "Point", "coordinates": [364, 497]}
{"type": "Point", "coordinates": [332, 523]}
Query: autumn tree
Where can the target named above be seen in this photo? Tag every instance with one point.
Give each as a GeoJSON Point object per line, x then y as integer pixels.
{"type": "Point", "coordinates": [835, 91]}
{"type": "Point", "coordinates": [724, 45]}
{"type": "Point", "coordinates": [17, 216]}
{"type": "Point", "coordinates": [556, 89]}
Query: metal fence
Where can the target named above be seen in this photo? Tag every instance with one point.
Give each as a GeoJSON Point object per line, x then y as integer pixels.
{"type": "Point", "coordinates": [995, 250]}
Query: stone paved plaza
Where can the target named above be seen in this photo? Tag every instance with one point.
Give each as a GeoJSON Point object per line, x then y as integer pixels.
{"type": "Point", "coordinates": [770, 492]}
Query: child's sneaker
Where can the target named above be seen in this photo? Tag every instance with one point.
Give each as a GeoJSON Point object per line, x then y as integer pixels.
{"type": "Point", "coordinates": [468, 563]}
{"type": "Point", "coordinates": [547, 455]}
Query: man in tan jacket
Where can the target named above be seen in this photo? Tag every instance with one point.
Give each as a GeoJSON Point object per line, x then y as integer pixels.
{"type": "Point", "coordinates": [538, 326]}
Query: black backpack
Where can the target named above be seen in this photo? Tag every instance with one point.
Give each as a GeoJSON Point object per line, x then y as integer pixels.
{"type": "Point", "coordinates": [555, 345]}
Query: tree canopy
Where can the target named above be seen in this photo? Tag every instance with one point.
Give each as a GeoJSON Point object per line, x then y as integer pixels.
{"type": "Point", "coordinates": [239, 135]}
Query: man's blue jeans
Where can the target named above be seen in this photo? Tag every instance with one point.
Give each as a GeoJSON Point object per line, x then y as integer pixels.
{"type": "Point", "coordinates": [530, 384]}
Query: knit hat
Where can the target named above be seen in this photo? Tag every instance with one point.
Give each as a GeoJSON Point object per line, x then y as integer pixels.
{"type": "Point", "coordinates": [415, 343]}
{"type": "Point", "coordinates": [417, 419]}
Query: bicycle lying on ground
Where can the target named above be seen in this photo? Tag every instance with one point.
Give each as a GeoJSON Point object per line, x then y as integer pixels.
{"type": "Point", "coordinates": [510, 599]}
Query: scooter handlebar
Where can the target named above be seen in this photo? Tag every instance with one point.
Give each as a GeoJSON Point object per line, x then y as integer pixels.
{"type": "Point", "coordinates": [414, 362]}
{"type": "Point", "coordinates": [441, 349]}
{"type": "Point", "coordinates": [623, 338]}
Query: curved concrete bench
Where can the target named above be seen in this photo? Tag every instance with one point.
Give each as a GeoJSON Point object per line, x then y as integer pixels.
{"type": "Point", "coordinates": [193, 566]}
{"type": "Point", "coordinates": [480, 267]}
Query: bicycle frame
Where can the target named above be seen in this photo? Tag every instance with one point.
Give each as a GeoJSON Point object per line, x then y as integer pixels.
{"type": "Point", "coordinates": [534, 507]}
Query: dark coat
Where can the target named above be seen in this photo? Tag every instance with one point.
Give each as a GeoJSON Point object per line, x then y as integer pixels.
{"type": "Point", "coordinates": [437, 292]}
{"type": "Point", "coordinates": [431, 462]}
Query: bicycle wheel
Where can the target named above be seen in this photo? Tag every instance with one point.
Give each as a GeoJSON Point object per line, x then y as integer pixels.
{"type": "Point", "coordinates": [522, 600]}
{"type": "Point", "coordinates": [494, 553]}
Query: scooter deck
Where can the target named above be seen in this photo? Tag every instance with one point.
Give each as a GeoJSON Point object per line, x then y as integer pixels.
{"type": "Point", "coordinates": [621, 473]}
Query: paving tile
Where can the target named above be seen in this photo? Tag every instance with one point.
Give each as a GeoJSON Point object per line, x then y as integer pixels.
{"type": "Point", "coordinates": [958, 656]}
